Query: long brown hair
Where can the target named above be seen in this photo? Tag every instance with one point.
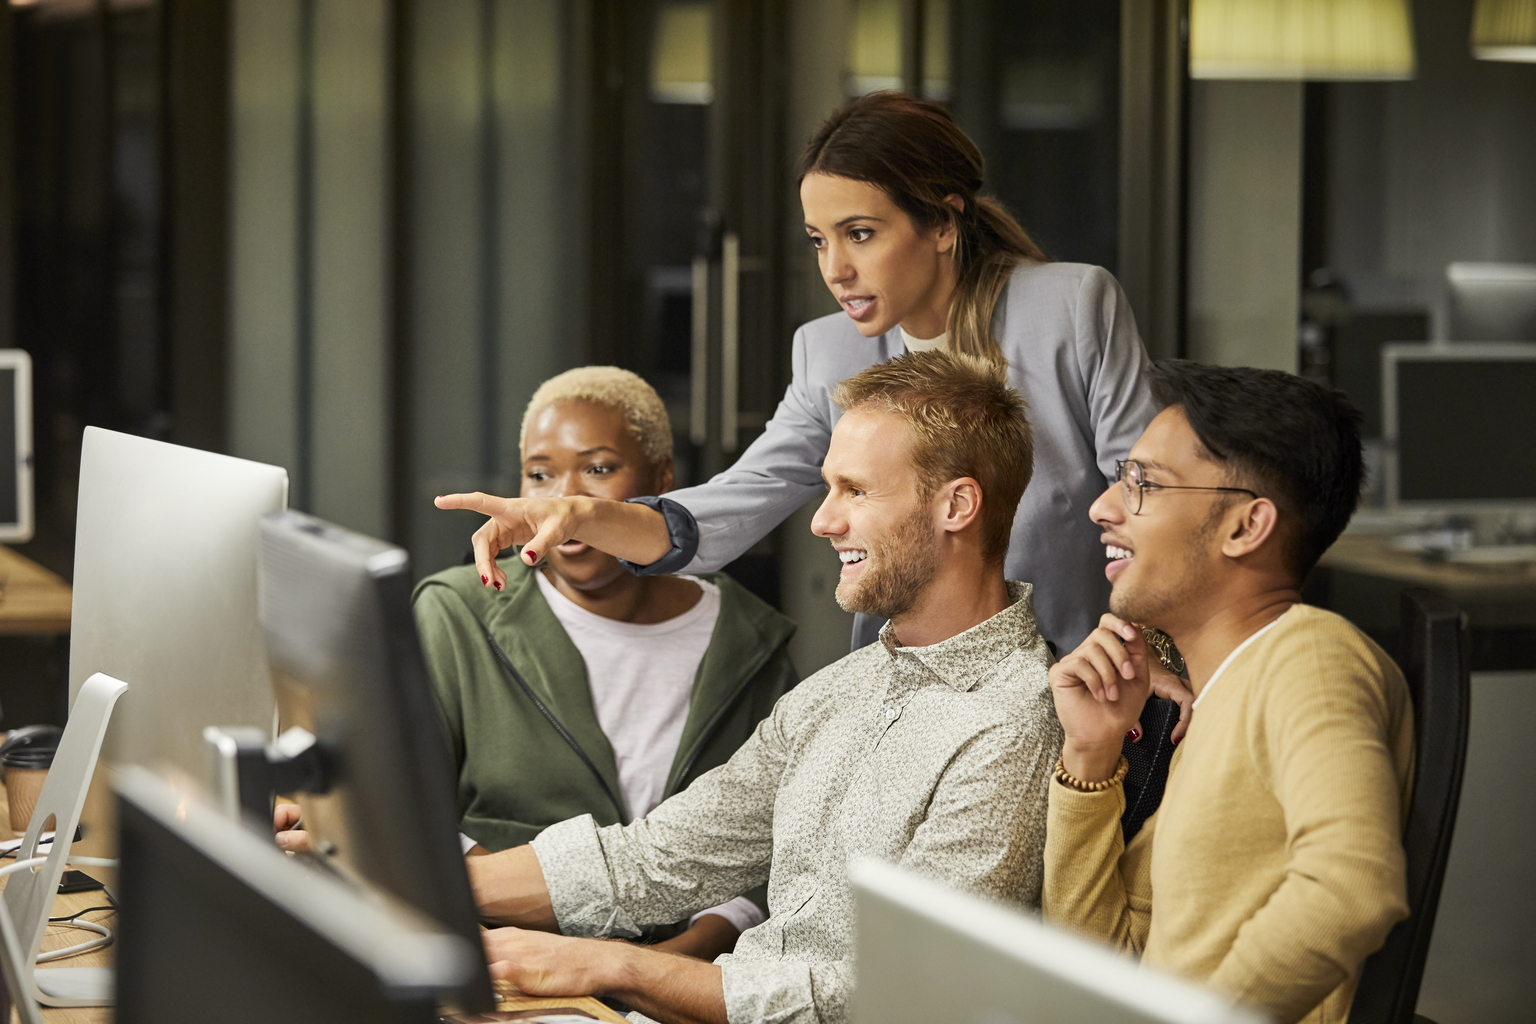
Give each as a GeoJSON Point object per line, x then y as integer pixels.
{"type": "Point", "coordinates": [913, 151]}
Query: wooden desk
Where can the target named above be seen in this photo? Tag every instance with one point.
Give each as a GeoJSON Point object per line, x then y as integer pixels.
{"type": "Point", "coordinates": [1360, 578]}
{"type": "Point", "coordinates": [512, 1000]}
{"type": "Point", "coordinates": [1369, 555]}
{"type": "Point", "coordinates": [59, 936]}
{"type": "Point", "coordinates": [33, 600]}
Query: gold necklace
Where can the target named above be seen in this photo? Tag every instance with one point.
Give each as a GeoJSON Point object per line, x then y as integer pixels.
{"type": "Point", "coordinates": [1163, 645]}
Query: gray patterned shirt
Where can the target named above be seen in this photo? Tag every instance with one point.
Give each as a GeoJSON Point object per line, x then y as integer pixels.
{"type": "Point", "coordinates": [936, 758]}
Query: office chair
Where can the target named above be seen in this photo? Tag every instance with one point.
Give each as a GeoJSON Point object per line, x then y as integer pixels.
{"type": "Point", "coordinates": [1437, 670]}
{"type": "Point", "coordinates": [1148, 760]}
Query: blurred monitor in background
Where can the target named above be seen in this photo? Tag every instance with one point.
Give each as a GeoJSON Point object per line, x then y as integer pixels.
{"type": "Point", "coordinates": [1358, 340]}
{"type": "Point", "coordinates": [1461, 424]}
{"type": "Point", "coordinates": [165, 594]}
{"type": "Point", "coordinates": [347, 666]}
{"type": "Point", "coordinates": [15, 445]}
{"type": "Point", "coordinates": [1492, 301]}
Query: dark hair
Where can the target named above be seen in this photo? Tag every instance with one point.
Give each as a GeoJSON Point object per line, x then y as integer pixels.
{"type": "Point", "coordinates": [913, 151]}
{"type": "Point", "coordinates": [964, 420]}
{"type": "Point", "coordinates": [1293, 440]}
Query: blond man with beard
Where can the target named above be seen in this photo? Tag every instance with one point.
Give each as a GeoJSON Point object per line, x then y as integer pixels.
{"type": "Point", "coordinates": [931, 749]}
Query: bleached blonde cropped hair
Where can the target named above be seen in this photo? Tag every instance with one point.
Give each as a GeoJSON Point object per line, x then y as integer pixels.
{"type": "Point", "coordinates": [625, 392]}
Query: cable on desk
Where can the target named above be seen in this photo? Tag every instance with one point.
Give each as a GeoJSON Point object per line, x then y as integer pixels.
{"type": "Point", "coordinates": [11, 869]}
{"type": "Point", "coordinates": [102, 931]}
{"type": "Point", "coordinates": [92, 862]}
{"type": "Point", "coordinates": [79, 913]}
{"type": "Point", "coordinates": [73, 921]}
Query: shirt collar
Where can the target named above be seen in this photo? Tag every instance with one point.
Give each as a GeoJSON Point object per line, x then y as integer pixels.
{"type": "Point", "coordinates": [961, 661]}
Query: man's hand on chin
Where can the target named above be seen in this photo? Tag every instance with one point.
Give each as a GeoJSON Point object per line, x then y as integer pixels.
{"type": "Point", "coordinates": [665, 986]}
{"type": "Point", "coordinates": [1099, 690]}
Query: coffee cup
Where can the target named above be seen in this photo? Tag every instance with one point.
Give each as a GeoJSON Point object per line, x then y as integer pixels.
{"type": "Point", "coordinates": [26, 756]}
{"type": "Point", "coordinates": [22, 788]}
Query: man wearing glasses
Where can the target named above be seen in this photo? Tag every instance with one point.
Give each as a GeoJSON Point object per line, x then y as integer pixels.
{"type": "Point", "coordinates": [1274, 865]}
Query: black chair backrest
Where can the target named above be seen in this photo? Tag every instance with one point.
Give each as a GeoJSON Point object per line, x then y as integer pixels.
{"type": "Point", "coordinates": [1148, 760]}
{"type": "Point", "coordinates": [1438, 674]}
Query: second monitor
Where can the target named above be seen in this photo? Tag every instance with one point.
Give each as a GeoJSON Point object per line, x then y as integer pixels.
{"type": "Point", "coordinates": [347, 666]}
{"type": "Point", "coordinates": [1459, 424]}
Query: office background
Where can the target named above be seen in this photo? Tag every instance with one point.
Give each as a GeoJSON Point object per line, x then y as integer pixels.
{"type": "Point", "coordinates": [350, 237]}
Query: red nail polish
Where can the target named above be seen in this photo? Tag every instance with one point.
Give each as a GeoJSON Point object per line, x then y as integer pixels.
{"type": "Point", "coordinates": [484, 580]}
{"type": "Point", "coordinates": [1177, 741]}
{"type": "Point", "coordinates": [498, 585]}
{"type": "Point", "coordinates": [533, 556]}
{"type": "Point", "coordinates": [1134, 734]}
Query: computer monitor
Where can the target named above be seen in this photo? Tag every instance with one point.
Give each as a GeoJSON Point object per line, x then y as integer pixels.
{"type": "Point", "coordinates": [929, 953]}
{"type": "Point", "coordinates": [1492, 301]}
{"type": "Point", "coordinates": [1356, 366]}
{"type": "Point", "coordinates": [217, 924]}
{"type": "Point", "coordinates": [1459, 425]}
{"type": "Point", "coordinates": [15, 445]}
{"type": "Point", "coordinates": [165, 593]}
{"type": "Point", "coordinates": [347, 665]}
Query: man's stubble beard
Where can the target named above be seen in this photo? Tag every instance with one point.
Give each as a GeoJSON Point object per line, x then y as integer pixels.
{"type": "Point", "coordinates": [1157, 603]}
{"type": "Point", "coordinates": [900, 570]}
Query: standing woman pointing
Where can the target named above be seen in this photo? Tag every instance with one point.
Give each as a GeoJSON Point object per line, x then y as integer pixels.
{"type": "Point", "coordinates": [918, 259]}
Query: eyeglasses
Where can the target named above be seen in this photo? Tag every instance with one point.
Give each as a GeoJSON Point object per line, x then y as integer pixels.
{"type": "Point", "coordinates": [1133, 479]}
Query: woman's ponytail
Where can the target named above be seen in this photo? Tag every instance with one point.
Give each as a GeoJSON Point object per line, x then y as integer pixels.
{"type": "Point", "coordinates": [985, 263]}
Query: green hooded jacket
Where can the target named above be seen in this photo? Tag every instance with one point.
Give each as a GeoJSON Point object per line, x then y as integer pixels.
{"type": "Point", "coordinates": [530, 753]}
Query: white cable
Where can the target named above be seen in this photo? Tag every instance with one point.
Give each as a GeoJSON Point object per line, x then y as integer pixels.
{"type": "Point", "coordinates": [101, 930]}
{"type": "Point", "coordinates": [93, 862]}
{"type": "Point", "coordinates": [11, 869]}
{"type": "Point", "coordinates": [83, 947]}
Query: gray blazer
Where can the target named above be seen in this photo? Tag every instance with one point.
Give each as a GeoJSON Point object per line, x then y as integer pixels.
{"type": "Point", "coordinates": [1073, 353]}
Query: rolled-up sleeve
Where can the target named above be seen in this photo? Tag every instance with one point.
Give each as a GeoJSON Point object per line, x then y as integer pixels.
{"type": "Point", "coordinates": [580, 889]}
{"type": "Point", "coordinates": [786, 992]}
{"type": "Point", "coordinates": [698, 849]}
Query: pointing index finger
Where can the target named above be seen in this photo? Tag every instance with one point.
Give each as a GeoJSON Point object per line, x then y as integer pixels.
{"type": "Point", "coordinates": [475, 501]}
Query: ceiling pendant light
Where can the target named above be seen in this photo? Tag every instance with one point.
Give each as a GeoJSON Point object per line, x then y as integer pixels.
{"type": "Point", "coordinates": [1504, 30]}
{"type": "Point", "coordinates": [1320, 40]}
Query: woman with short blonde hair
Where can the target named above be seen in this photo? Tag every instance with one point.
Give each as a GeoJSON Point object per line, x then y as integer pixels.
{"type": "Point", "coordinates": [575, 687]}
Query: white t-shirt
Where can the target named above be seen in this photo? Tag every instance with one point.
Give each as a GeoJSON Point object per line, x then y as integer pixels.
{"type": "Point", "coordinates": [642, 681]}
{"type": "Point", "coordinates": [642, 678]}
{"type": "Point", "coordinates": [922, 345]}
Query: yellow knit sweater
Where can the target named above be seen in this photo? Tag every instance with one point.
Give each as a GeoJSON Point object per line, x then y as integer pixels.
{"type": "Point", "coordinates": [1274, 865]}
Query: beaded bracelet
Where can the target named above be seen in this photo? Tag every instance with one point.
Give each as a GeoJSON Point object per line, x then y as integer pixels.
{"type": "Point", "coordinates": [1071, 781]}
